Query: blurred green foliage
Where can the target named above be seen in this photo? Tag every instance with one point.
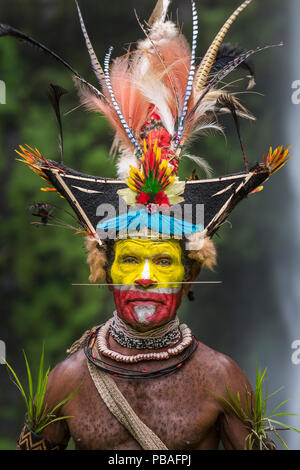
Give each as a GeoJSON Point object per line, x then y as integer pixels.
{"type": "Point", "coordinates": [39, 265]}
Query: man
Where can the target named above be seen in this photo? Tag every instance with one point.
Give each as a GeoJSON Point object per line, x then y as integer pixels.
{"type": "Point", "coordinates": [145, 381]}
{"type": "Point", "coordinates": [182, 408]}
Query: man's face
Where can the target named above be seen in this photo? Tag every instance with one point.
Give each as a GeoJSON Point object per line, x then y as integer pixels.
{"type": "Point", "coordinates": [147, 275]}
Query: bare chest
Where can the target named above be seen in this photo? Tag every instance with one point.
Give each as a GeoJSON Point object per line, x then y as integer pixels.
{"type": "Point", "coordinates": [174, 407]}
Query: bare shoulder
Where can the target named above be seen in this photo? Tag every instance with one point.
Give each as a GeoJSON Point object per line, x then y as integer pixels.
{"type": "Point", "coordinates": [220, 369]}
{"type": "Point", "coordinates": [72, 366]}
{"type": "Point", "coordinates": [66, 377]}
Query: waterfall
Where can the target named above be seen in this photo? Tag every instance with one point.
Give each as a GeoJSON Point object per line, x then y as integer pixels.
{"type": "Point", "coordinates": [288, 269]}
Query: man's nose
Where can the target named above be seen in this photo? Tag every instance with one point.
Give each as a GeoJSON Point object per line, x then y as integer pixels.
{"type": "Point", "coordinates": [145, 283]}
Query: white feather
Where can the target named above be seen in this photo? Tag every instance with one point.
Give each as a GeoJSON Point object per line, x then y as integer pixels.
{"type": "Point", "coordinates": [202, 163]}
{"type": "Point", "coordinates": [124, 162]}
{"type": "Point", "coordinates": [160, 11]}
{"type": "Point", "coordinates": [204, 127]}
{"type": "Point", "coordinates": [159, 95]}
{"type": "Point", "coordinates": [159, 33]}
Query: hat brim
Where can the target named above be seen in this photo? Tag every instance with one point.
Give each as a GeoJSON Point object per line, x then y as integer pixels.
{"type": "Point", "coordinates": [86, 193]}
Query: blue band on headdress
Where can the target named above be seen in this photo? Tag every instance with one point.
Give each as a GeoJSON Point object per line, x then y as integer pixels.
{"type": "Point", "coordinates": [157, 222]}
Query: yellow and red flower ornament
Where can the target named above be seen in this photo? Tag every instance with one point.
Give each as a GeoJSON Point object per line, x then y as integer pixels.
{"type": "Point", "coordinates": [156, 182]}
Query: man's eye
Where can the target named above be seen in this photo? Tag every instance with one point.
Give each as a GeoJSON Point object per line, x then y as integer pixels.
{"type": "Point", "coordinates": [163, 261]}
{"type": "Point", "coordinates": [130, 260]}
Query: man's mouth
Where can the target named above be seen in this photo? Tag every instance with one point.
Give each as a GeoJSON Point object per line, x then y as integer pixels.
{"type": "Point", "coordinates": [142, 301]}
{"type": "Point", "coordinates": [148, 298]}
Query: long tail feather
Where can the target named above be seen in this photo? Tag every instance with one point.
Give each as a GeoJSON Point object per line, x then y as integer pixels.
{"type": "Point", "coordinates": [226, 70]}
{"type": "Point", "coordinates": [191, 73]}
{"type": "Point", "coordinates": [94, 61]}
{"type": "Point", "coordinates": [6, 30]}
{"type": "Point", "coordinates": [210, 56]}
{"type": "Point", "coordinates": [115, 104]}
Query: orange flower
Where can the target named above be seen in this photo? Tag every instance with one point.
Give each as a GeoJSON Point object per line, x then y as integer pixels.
{"type": "Point", "coordinates": [275, 160]}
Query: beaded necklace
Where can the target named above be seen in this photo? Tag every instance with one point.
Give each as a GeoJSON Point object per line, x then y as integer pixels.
{"type": "Point", "coordinates": [157, 338]}
{"type": "Point", "coordinates": [102, 345]}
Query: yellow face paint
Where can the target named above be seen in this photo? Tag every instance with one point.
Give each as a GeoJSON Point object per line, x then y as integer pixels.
{"type": "Point", "coordinates": [156, 260]}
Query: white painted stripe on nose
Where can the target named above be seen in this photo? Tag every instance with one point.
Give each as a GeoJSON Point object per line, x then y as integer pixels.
{"type": "Point", "coordinates": [146, 270]}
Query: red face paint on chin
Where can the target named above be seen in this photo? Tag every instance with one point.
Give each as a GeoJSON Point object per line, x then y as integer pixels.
{"type": "Point", "coordinates": [147, 310]}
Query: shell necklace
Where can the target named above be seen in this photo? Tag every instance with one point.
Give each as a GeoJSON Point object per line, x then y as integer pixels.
{"type": "Point", "coordinates": [102, 345]}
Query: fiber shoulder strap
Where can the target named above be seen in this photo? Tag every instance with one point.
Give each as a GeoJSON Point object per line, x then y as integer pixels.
{"type": "Point", "coordinates": [122, 411]}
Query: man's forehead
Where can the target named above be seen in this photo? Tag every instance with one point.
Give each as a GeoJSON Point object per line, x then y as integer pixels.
{"type": "Point", "coordinates": [149, 246]}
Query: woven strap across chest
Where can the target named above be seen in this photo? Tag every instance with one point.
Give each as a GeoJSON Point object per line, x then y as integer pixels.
{"type": "Point", "coordinates": [122, 411]}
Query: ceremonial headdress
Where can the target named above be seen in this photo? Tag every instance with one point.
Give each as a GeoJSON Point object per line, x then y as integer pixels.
{"type": "Point", "coordinates": [157, 97]}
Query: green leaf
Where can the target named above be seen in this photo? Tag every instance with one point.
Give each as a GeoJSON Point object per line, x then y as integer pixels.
{"type": "Point", "coordinates": [278, 406]}
{"type": "Point", "coordinates": [280, 439]}
{"type": "Point", "coordinates": [65, 400]}
{"type": "Point", "coordinates": [19, 385]}
{"type": "Point", "coordinates": [37, 431]}
{"type": "Point", "coordinates": [30, 386]}
{"type": "Point", "coordinates": [285, 426]}
{"type": "Point", "coordinates": [40, 397]}
{"type": "Point", "coordinates": [227, 402]}
{"type": "Point", "coordinates": [37, 416]}
{"type": "Point", "coordinates": [255, 417]}
{"type": "Point", "coordinates": [275, 392]}
{"type": "Point", "coordinates": [41, 370]}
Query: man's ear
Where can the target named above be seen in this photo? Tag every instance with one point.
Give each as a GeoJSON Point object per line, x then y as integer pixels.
{"type": "Point", "coordinates": [192, 276]}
